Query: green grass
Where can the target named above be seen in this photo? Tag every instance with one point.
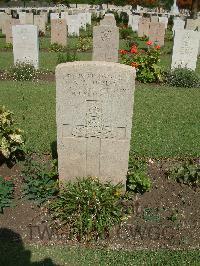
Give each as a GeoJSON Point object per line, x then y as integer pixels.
{"type": "Point", "coordinates": [51, 255]}
{"type": "Point", "coordinates": [165, 123]}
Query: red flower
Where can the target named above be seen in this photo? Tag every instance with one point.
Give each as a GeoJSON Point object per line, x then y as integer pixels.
{"type": "Point", "coordinates": [149, 43]}
{"type": "Point", "coordinates": [134, 49]}
{"type": "Point", "coordinates": [157, 47]}
{"type": "Point", "coordinates": [123, 52]}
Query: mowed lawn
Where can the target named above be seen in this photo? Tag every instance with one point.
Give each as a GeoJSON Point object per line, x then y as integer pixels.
{"type": "Point", "coordinates": [60, 255]}
{"type": "Point", "coordinates": [165, 121]}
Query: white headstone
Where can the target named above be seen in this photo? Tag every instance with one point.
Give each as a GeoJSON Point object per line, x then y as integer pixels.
{"type": "Point", "coordinates": [185, 50]}
{"type": "Point", "coordinates": [94, 103]}
{"type": "Point", "coordinates": [25, 44]}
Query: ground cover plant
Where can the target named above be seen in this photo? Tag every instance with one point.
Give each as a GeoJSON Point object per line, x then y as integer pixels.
{"type": "Point", "coordinates": [6, 193]}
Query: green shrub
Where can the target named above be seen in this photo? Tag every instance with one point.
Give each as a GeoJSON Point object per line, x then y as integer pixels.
{"type": "Point", "coordinates": [84, 44]}
{"type": "Point", "coordinates": [11, 141]}
{"type": "Point", "coordinates": [183, 77]}
{"type": "Point", "coordinates": [6, 193]}
{"type": "Point", "coordinates": [40, 180]}
{"type": "Point", "coordinates": [138, 180]}
{"type": "Point", "coordinates": [126, 33]}
{"type": "Point", "coordinates": [66, 57]}
{"type": "Point", "coordinates": [22, 71]}
{"type": "Point", "coordinates": [88, 207]}
{"type": "Point", "coordinates": [186, 172]}
{"type": "Point", "coordinates": [146, 62]}
{"type": "Point", "coordinates": [55, 47]}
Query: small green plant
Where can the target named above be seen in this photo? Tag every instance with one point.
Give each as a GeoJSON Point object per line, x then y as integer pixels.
{"type": "Point", "coordinates": [22, 71]}
{"type": "Point", "coordinates": [126, 33]}
{"type": "Point", "coordinates": [84, 44]}
{"type": "Point", "coordinates": [144, 61]}
{"type": "Point", "coordinates": [40, 180]}
{"type": "Point", "coordinates": [187, 173]}
{"type": "Point", "coordinates": [8, 46]}
{"type": "Point", "coordinates": [11, 140]}
{"type": "Point", "coordinates": [137, 180]}
{"type": "Point", "coordinates": [89, 207]}
{"type": "Point", "coordinates": [67, 57]}
{"type": "Point", "coordinates": [183, 77]}
{"type": "Point", "coordinates": [55, 47]}
{"type": "Point", "coordinates": [6, 193]}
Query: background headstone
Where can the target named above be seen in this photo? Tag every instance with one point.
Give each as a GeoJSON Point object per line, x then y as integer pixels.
{"type": "Point", "coordinates": [185, 50]}
{"type": "Point", "coordinates": [59, 32]}
{"type": "Point", "coordinates": [105, 43]}
{"type": "Point", "coordinates": [157, 33]}
{"type": "Point", "coordinates": [25, 44]}
{"type": "Point", "coordinates": [143, 27]}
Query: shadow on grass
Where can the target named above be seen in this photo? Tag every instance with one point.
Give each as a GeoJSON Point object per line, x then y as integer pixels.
{"type": "Point", "coordinates": [54, 150]}
{"type": "Point", "coordinates": [13, 252]}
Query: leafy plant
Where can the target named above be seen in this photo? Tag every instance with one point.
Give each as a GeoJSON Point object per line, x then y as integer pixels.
{"type": "Point", "coordinates": [145, 61]}
{"type": "Point", "coordinates": [22, 71]}
{"type": "Point", "coordinates": [40, 180]}
{"type": "Point", "coordinates": [187, 172]}
{"type": "Point", "coordinates": [89, 207]}
{"type": "Point", "coordinates": [55, 47]}
{"type": "Point", "coordinates": [137, 179]}
{"type": "Point", "coordinates": [6, 193]}
{"type": "Point", "coordinates": [11, 140]}
{"type": "Point", "coordinates": [67, 57]}
{"type": "Point", "coordinates": [183, 77]}
{"type": "Point", "coordinates": [84, 44]}
{"type": "Point", "coordinates": [126, 33]}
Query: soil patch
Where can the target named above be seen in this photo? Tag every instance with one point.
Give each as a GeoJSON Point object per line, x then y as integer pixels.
{"type": "Point", "coordinates": [166, 217]}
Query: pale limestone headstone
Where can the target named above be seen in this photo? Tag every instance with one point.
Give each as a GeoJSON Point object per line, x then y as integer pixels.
{"type": "Point", "coordinates": [185, 50]}
{"type": "Point", "coordinates": [193, 24]}
{"type": "Point", "coordinates": [54, 16]}
{"type": "Point", "coordinates": [9, 24]}
{"type": "Point", "coordinates": [64, 15]}
{"type": "Point", "coordinates": [73, 25]}
{"type": "Point", "coordinates": [26, 44]}
{"type": "Point", "coordinates": [88, 18]}
{"type": "Point", "coordinates": [6, 19]}
{"type": "Point", "coordinates": [154, 19]}
{"type": "Point", "coordinates": [94, 103]}
{"type": "Point", "coordinates": [135, 22]}
{"type": "Point", "coordinates": [26, 18]}
{"type": "Point", "coordinates": [39, 21]}
{"type": "Point", "coordinates": [59, 32]}
{"type": "Point", "coordinates": [3, 18]}
{"type": "Point", "coordinates": [45, 14]}
{"type": "Point", "coordinates": [143, 27]}
{"type": "Point", "coordinates": [164, 20]}
{"type": "Point", "coordinates": [157, 33]}
{"type": "Point", "coordinates": [179, 24]}
{"type": "Point", "coordinates": [108, 20]}
{"type": "Point", "coordinates": [105, 43]}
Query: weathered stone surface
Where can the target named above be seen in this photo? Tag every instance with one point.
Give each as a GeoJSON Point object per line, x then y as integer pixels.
{"type": "Point", "coordinates": [54, 16]}
{"type": "Point", "coordinates": [179, 25]}
{"type": "Point", "coordinates": [25, 44]}
{"type": "Point", "coordinates": [73, 25]}
{"type": "Point", "coordinates": [157, 33]}
{"type": "Point", "coordinates": [134, 22]}
{"type": "Point", "coordinates": [39, 21]}
{"type": "Point", "coordinates": [164, 20]}
{"type": "Point", "coordinates": [94, 105]}
{"type": "Point", "coordinates": [185, 50]}
{"type": "Point", "coordinates": [154, 19]}
{"type": "Point", "coordinates": [105, 43]}
{"type": "Point", "coordinates": [6, 19]}
{"type": "Point", "coordinates": [193, 24]}
{"type": "Point", "coordinates": [59, 32]}
{"type": "Point", "coordinates": [108, 20]}
{"type": "Point", "coordinates": [26, 18]}
{"type": "Point", "coordinates": [9, 24]}
{"type": "Point", "coordinates": [143, 27]}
